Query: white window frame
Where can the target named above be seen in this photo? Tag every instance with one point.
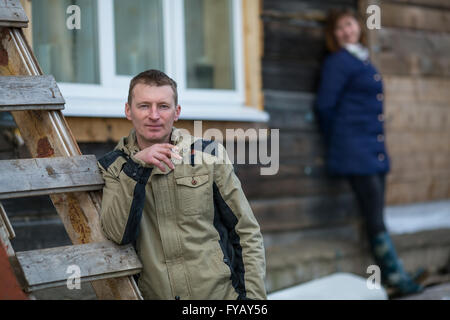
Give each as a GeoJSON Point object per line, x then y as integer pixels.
{"type": "Point", "coordinates": [108, 98]}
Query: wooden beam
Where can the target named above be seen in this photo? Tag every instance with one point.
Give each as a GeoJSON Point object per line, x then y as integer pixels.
{"type": "Point", "coordinates": [414, 17]}
{"type": "Point", "coordinates": [47, 134]}
{"type": "Point", "coordinates": [94, 129]}
{"type": "Point", "coordinates": [48, 268]}
{"type": "Point", "coordinates": [30, 93]}
{"type": "Point", "coordinates": [28, 32]}
{"type": "Point", "coordinates": [253, 51]}
{"type": "Point", "coordinates": [418, 90]}
{"type": "Point", "coordinates": [33, 177]}
{"type": "Point", "coordinates": [10, 288]}
{"type": "Point", "coordinates": [283, 214]}
{"type": "Point", "coordinates": [437, 4]}
{"type": "Point", "coordinates": [414, 53]}
{"type": "Point", "coordinates": [12, 14]}
{"type": "Point", "coordinates": [6, 223]}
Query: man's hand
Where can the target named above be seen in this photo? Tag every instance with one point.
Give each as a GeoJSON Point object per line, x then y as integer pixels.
{"type": "Point", "coordinates": [159, 153]}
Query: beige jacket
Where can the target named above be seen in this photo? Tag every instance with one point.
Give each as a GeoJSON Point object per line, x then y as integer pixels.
{"type": "Point", "coordinates": [192, 227]}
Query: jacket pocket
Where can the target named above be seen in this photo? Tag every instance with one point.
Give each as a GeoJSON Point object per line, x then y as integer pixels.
{"type": "Point", "coordinates": [194, 192]}
{"type": "Point", "coordinates": [220, 264]}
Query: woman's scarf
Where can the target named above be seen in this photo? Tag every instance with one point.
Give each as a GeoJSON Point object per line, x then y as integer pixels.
{"type": "Point", "coordinates": [358, 50]}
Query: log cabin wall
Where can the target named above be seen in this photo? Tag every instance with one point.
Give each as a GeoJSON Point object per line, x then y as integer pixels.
{"type": "Point", "coordinates": [310, 222]}
{"type": "Point", "coordinates": [300, 195]}
{"type": "Point", "coordinates": [411, 51]}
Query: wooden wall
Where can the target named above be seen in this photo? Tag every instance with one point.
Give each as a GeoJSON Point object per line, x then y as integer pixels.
{"type": "Point", "coordinates": [412, 51]}
{"type": "Point", "coordinates": [301, 195]}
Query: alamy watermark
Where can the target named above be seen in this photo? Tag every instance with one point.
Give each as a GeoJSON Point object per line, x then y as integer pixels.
{"type": "Point", "coordinates": [374, 20]}
{"type": "Point", "coordinates": [373, 282]}
{"type": "Point", "coordinates": [247, 147]}
{"type": "Point", "coordinates": [74, 20]}
{"type": "Point", "coordinates": [74, 278]}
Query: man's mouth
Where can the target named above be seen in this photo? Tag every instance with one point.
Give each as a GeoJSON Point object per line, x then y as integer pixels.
{"type": "Point", "coordinates": [153, 127]}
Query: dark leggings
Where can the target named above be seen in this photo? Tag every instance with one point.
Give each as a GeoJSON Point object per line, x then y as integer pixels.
{"type": "Point", "coordinates": [369, 191]}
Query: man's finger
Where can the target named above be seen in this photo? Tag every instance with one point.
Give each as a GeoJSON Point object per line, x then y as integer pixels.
{"type": "Point", "coordinates": [163, 158]}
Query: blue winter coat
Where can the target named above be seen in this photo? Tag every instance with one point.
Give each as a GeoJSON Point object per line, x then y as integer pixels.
{"type": "Point", "coordinates": [349, 106]}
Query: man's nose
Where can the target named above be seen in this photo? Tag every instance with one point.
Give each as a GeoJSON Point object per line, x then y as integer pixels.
{"type": "Point", "coordinates": [154, 113]}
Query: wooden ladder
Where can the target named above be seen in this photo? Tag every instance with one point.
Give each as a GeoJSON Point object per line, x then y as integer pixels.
{"type": "Point", "coordinates": [72, 181]}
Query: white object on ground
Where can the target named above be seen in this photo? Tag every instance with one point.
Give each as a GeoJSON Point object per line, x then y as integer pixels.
{"type": "Point", "coordinates": [338, 286]}
{"type": "Point", "coordinates": [417, 217]}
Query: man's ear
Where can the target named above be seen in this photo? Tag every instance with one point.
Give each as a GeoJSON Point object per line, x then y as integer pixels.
{"type": "Point", "coordinates": [177, 112]}
{"type": "Point", "coordinates": [128, 111]}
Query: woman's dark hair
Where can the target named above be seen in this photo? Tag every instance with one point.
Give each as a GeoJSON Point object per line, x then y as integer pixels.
{"type": "Point", "coordinates": [334, 16]}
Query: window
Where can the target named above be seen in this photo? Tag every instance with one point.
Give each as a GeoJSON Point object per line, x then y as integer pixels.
{"type": "Point", "coordinates": [71, 56]}
{"type": "Point", "coordinates": [196, 42]}
{"type": "Point", "coordinates": [209, 44]}
{"type": "Point", "coordinates": [138, 31]}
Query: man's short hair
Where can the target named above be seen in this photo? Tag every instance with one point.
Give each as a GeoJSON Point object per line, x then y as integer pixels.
{"type": "Point", "coordinates": [153, 78]}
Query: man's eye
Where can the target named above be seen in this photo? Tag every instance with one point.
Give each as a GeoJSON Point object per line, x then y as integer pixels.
{"type": "Point", "coordinates": [164, 106]}
{"type": "Point", "coordinates": [143, 106]}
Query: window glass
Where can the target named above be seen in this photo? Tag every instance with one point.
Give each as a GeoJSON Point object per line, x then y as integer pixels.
{"type": "Point", "coordinates": [69, 55]}
{"type": "Point", "coordinates": [209, 44]}
{"type": "Point", "coordinates": [139, 36]}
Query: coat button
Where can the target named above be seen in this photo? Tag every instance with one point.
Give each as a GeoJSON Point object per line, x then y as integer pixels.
{"type": "Point", "coordinates": [380, 97]}
{"type": "Point", "coordinates": [381, 117]}
{"type": "Point", "coordinates": [194, 182]}
{"type": "Point", "coordinates": [380, 138]}
{"type": "Point", "coordinates": [377, 77]}
{"type": "Point", "coordinates": [381, 157]}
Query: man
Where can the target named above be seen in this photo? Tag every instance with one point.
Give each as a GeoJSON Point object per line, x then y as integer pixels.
{"type": "Point", "coordinates": [189, 221]}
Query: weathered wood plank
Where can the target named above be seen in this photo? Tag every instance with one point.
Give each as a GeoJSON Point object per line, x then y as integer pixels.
{"type": "Point", "coordinates": [418, 117]}
{"type": "Point", "coordinates": [291, 110]}
{"type": "Point", "coordinates": [291, 41]}
{"type": "Point", "coordinates": [414, 17]}
{"type": "Point", "coordinates": [284, 214]}
{"type": "Point", "coordinates": [46, 134]}
{"type": "Point", "coordinates": [299, 6]}
{"type": "Point", "coordinates": [48, 268]}
{"type": "Point", "coordinates": [291, 75]}
{"type": "Point", "coordinates": [437, 4]}
{"type": "Point", "coordinates": [410, 142]}
{"type": "Point", "coordinates": [12, 14]}
{"type": "Point", "coordinates": [253, 48]}
{"type": "Point", "coordinates": [423, 90]}
{"type": "Point", "coordinates": [32, 177]}
{"type": "Point", "coordinates": [413, 52]}
{"type": "Point", "coordinates": [30, 93]}
{"type": "Point", "coordinates": [417, 191]}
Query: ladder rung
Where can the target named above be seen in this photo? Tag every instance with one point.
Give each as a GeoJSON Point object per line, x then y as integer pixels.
{"type": "Point", "coordinates": [12, 14]}
{"type": "Point", "coordinates": [42, 176]}
{"type": "Point", "coordinates": [30, 93]}
{"type": "Point", "coordinates": [48, 268]}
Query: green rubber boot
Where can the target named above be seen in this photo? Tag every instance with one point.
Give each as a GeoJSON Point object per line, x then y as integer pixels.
{"type": "Point", "coordinates": [392, 272]}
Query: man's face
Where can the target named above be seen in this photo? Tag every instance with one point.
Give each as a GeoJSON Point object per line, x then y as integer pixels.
{"type": "Point", "coordinates": [153, 112]}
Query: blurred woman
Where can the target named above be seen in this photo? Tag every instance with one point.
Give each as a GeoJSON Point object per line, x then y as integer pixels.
{"type": "Point", "coordinates": [350, 111]}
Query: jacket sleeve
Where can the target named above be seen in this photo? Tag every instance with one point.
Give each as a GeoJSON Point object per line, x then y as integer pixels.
{"type": "Point", "coordinates": [249, 262]}
{"type": "Point", "coordinates": [333, 79]}
{"type": "Point", "coordinates": [123, 198]}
